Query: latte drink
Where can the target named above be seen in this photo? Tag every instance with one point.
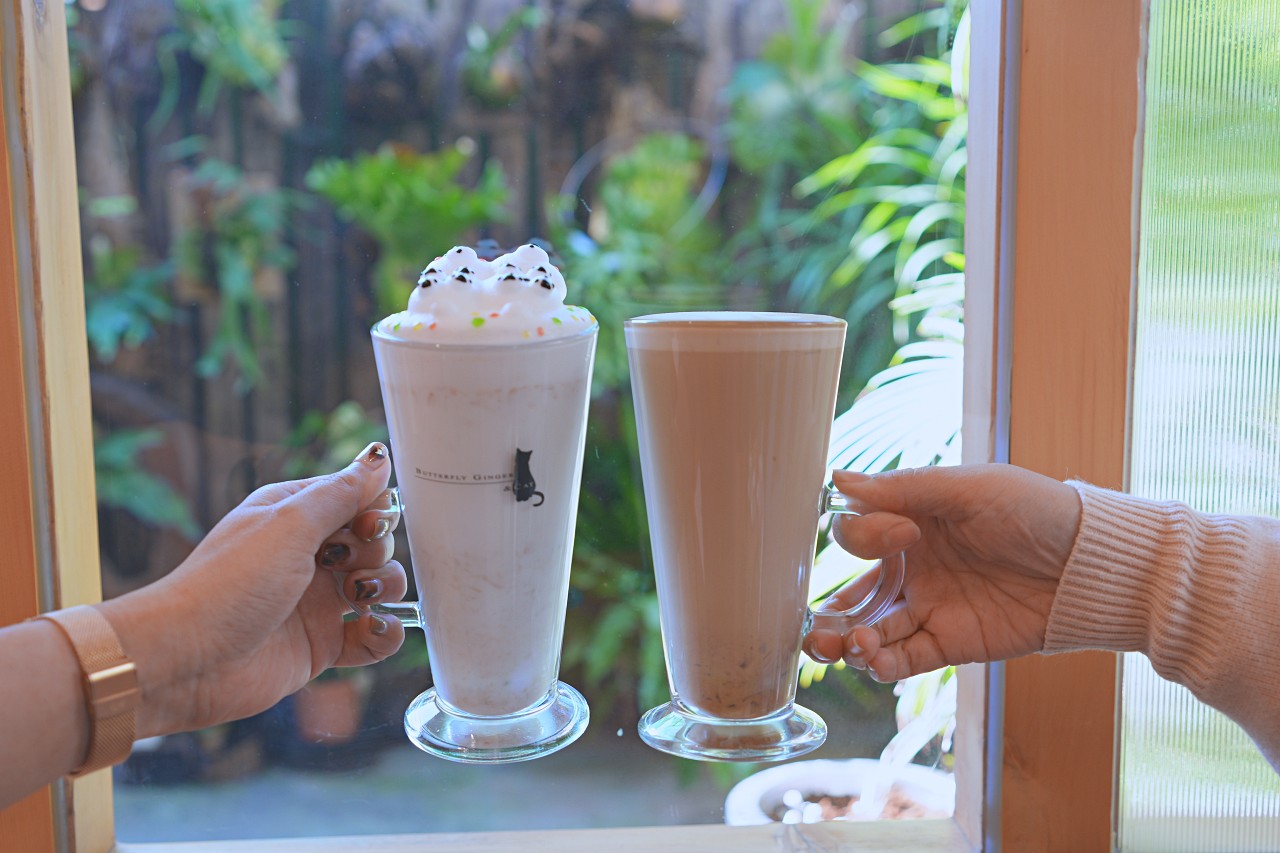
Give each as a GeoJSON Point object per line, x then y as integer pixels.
{"type": "Point", "coordinates": [734, 415]}
{"type": "Point", "coordinates": [486, 381]}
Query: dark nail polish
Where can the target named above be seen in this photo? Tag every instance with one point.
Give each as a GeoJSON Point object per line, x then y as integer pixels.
{"type": "Point", "coordinates": [366, 590]}
{"type": "Point", "coordinates": [377, 625]}
{"type": "Point", "coordinates": [375, 454]}
{"type": "Point", "coordinates": [334, 554]}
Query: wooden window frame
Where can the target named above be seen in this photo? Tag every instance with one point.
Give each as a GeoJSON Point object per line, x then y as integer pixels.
{"type": "Point", "coordinates": [1054, 96]}
{"type": "Point", "coordinates": [1074, 272]}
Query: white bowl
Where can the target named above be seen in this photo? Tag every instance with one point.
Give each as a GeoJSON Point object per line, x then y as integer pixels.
{"type": "Point", "coordinates": [751, 801]}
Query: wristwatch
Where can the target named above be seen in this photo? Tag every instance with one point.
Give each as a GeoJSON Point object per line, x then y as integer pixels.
{"type": "Point", "coordinates": [110, 682]}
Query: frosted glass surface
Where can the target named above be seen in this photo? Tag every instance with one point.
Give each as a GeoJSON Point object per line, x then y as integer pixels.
{"type": "Point", "coordinates": [1206, 408]}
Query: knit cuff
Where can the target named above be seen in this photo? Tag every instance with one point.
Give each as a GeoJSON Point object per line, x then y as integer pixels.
{"type": "Point", "coordinates": [1148, 576]}
{"type": "Point", "coordinates": [1194, 592]}
{"type": "Point", "coordinates": [1102, 600]}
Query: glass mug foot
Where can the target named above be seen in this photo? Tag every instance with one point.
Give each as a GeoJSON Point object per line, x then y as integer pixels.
{"type": "Point", "coordinates": [441, 730]}
{"type": "Point", "coordinates": [677, 730]}
{"type": "Point", "coordinates": [445, 732]}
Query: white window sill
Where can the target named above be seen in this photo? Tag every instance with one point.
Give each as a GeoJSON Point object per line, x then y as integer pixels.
{"type": "Point", "coordinates": [921, 836]}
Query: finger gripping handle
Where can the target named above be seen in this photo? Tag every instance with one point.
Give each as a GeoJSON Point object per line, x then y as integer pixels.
{"type": "Point", "coordinates": [881, 597]}
{"type": "Point", "coordinates": [388, 507]}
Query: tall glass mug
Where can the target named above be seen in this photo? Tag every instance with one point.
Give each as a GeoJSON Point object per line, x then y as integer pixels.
{"type": "Point", "coordinates": [487, 442]}
{"type": "Point", "coordinates": [734, 415]}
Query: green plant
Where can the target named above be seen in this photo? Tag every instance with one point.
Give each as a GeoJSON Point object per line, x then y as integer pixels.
{"type": "Point", "coordinates": [907, 181]}
{"type": "Point", "coordinates": [122, 483]}
{"type": "Point", "coordinates": [240, 43]}
{"type": "Point", "coordinates": [415, 205]}
{"type": "Point", "coordinates": [899, 196]}
{"type": "Point", "coordinates": [238, 235]}
{"type": "Point", "coordinates": [124, 299]}
{"type": "Point", "coordinates": [612, 636]}
{"type": "Point", "coordinates": [800, 106]}
{"type": "Point", "coordinates": [322, 443]}
{"type": "Point", "coordinates": [492, 69]}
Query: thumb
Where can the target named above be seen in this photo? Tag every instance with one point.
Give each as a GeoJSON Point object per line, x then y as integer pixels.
{"type": "Point", "coordinates": [330, 502]}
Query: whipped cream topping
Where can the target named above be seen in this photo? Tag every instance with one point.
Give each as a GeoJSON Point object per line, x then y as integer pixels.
{"type": "Point", "coordinates": [463, 298]}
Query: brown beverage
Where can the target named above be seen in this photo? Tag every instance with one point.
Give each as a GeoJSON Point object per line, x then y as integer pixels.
{"type": "Point", "coordinates": [734, 414]}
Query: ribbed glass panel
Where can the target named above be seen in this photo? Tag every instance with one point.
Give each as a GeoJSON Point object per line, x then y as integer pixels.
{"type": "Point", "coordinates": [1206, 408]}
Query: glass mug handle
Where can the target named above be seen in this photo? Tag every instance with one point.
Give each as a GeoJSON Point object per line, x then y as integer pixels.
{"type": "Point", "coordinates": [881, 597]}
{"type": "Point", "coordinates": [408, 612]}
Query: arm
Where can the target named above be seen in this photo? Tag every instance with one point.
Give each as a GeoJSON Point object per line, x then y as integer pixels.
{"type": "Point", "coordinates": [1197, 594]}
{"type": "Point", "coordinates": [43, 709]}
{"type": "Point", "coordinates": [251, 616]}
{"type": "Point", "coordinates": [1002, 562]}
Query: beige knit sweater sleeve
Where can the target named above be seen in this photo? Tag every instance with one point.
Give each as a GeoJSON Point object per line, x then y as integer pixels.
{"type": "Point", "coordinates": [1197, 594]}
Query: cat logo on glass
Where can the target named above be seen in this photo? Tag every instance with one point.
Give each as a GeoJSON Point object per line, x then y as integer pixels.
{"type": "Point", "coordinates": [525, 486]}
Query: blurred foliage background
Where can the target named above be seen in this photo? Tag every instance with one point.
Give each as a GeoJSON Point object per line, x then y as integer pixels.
{"type": "Point", "coordinates": [261, 181]}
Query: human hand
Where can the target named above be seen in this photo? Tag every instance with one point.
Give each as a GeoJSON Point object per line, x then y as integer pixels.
{"type": "Point", "coordinates": [985, 546]}
{"type": "Point", "coordinates": [254, 613]}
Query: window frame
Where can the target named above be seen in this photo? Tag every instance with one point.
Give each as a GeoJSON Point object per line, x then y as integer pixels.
{"type": "Point", "coordinates": [1067, 199]}
{"type": "Point", "coordinates": [1072, 253]}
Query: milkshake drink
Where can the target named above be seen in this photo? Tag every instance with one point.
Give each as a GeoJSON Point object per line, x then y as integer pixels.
{"type": "Point", "coordinates": [486, 380]}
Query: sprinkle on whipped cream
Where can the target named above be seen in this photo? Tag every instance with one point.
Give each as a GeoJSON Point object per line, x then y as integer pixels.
{"type": "Point", "coordinates": [463, 298]}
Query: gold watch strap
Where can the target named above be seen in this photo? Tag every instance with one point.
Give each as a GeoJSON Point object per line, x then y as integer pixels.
{"type": "Point", "coordinates": [110, 682]}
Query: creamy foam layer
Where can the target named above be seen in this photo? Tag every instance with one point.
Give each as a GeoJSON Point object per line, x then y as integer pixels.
{"type": "Point", "coordinates": [463, 298]}
{"type": "Point", "coordinates": [733, 331]}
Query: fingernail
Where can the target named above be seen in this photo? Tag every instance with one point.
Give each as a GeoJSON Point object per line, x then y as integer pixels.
{"type": "Point", "coordinates": [377, 625]}
{"type": "Point", "coordinates": [375, 454]}
{"type": "Point", "coordinates": [334, 554]}
{"type": "Point", "coordinates": [381, 528]}
{"type": "Point", "coordinates": [368, 589]}
{"type": "Point", "coordinates": [849, 477]}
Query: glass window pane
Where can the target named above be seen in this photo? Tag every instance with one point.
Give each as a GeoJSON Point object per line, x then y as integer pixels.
{"type": "Point", "coordinates": [262, 180]}
{"type": "Point", "coordinates": [1206, 415]}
